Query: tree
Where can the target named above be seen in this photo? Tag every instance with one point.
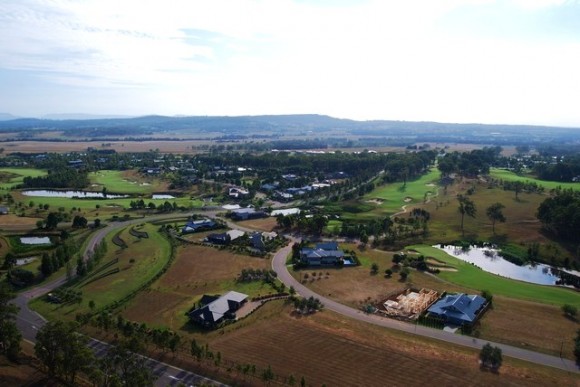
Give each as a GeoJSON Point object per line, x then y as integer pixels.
{"type": "Point", "coordinates": [577, 347]}
{"type": "Point", "coordinates": [52, 220]}
{"type": "Point", "coordinates": [495, 214]}
{"type": "Point", "coordinates": [9, 261]}
{"type": "Point", "coordinates": [491, 357]}
{"type": "Point", "coordinates": [63, 350]}
{"type": "Point", "coordinates": [374, 269]}
{"type": "Point", "coordinates": [404, 273]}
{"type": "Point", "coordinates": [570, 311]}
{"type": "Point", "coordinates": [79, 222]}
{"type": "Point", "coordinates": [97, 223]}
{"type": "Point", "coordinates": [388, 273]}
{"type": "Point", "coordinates": [466, 207]}
{"type": "Point", "coordinates": [10, 336]}
{"type": "Point", "coordinates": [487, 295]}
{"type": "Point", "coordinates": [130, 369]}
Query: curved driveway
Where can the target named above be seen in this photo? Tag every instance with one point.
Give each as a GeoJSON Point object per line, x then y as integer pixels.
{"type": "Point", "coordinates": [28, 321]}
{"type": "Point", "coordinates": [280, 267]}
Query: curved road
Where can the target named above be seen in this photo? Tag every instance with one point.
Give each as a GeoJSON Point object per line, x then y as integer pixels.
{"type": "Point", "coordinates": [29, 322]}
{"type": "Point", "coordinates": [279, 266]}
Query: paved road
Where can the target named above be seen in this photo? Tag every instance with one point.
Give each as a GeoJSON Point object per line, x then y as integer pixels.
{"type": "Point", "coordinates": [29, 322]}
{"type": "Point", "coordinates": [279, 265]}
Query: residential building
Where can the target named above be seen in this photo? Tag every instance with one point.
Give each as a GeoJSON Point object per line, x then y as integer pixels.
{"type": "Point", "coordinates": [458, 309]}
{"type": "Point", "coordinates": [198, 225]}
{"type": "Point", "coordinates": [322, 254]}
{"type": "Point", "coordinates": [217, 309]}
{"type": "Point", "coordinates": [248, 213]}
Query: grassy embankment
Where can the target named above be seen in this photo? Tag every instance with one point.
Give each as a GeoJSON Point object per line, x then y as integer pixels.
{"type": "Point", "coordinates": [137, 264]}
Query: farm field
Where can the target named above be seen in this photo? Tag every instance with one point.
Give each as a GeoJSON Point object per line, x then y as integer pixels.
{"type": "Point", "coordinates": [197, 270]}
{"type": "Point", "coordinates": [15, 176]}
{"type": "Point", "coordinates": [128, 182]}
{"type": "Point", "coordinates": [137, 264]}
{"type": "Point", "coordinates": [339, 351]}
{"type": "Point", "coordinates": [503, 174]}
{"type": "Point", "coordinates": [264, 224]}
{"type": "Point", "coordinates": [13, 222]}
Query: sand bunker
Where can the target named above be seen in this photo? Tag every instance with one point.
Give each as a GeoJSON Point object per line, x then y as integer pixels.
{"type": "Point", "coordinates": [408, 199]}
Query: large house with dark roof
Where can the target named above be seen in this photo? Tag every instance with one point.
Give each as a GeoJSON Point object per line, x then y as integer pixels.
{"type": "Point", "coordinates": [217, 309]}
{"type": "Point", "coordinates": [198, 225]}
{"type": "Point", "coordinates": [248, 213]}
{"type": "Point", "coordinates": [458, 309]}
{"type": "Point", "coordinates": [326, 253]}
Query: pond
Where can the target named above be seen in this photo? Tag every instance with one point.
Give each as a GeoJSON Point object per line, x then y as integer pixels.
{"type": "Point", "coordinates": [44, 193]}
{"type": "Point", "coordinates": [162, 196]}
{"type": "Point", "coordinates": [35, 240]}
{"type": "Point", "coordinates": [489, 259]}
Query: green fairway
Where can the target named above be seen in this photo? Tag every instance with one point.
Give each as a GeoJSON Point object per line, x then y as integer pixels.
{"type": "Point", "coordinates": [474, 278]}
{"type": "Point", "coordinates": [116, 182]}
{"type": "Point", "coordinates": [20, 173]}
{"type": "Point", "coordinates": [137, 264]}
{"type": "Point", "coordinates": [506, 175]}
{"type": "Point", "coordinates": [389, 199]}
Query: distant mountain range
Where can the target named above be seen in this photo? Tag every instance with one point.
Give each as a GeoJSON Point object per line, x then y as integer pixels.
{"type": "Point", "coordinates": [305, 126]}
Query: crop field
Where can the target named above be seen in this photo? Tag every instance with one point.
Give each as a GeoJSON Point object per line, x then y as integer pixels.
{"type": "Point", "coordinates": [10, 177]}
{"type": "Point", "coordinates": [338, 351]}
{"type": "Point", "coordinates": [197, 270]}
{"type": "Point", "coordinates": [138, 263]}
{"type": "Point", "coordinates": [472, 277]}
{"type": "Point", "coordinates": [128, 182]}
{"type": "Point", "coordinates": [503, 174]}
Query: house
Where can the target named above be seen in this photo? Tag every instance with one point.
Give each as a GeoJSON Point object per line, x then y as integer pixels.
{"type": "Point", "coordinates": [257, 241]}
{"type": "Point", "coordinates": [286, 212]}
{"type": "Point", "coordinates": [198, 225]}
{"type": "Point", "coordinates": [235, 234]}
{"type": "Point", "coordinates": [458, 309]}
{"type": "Point", "coordinates": [216, 309]}
{"type": "Point", "coordinates": [219, 239]}
{"type": "Point", "coordinates": [238, 193]}
{"type": "Point", "coordinates": [248, 213]}
{"type": "Point", "coordinates": [322, 254]}
{"type": "Point", "coordinates": [4, 210]}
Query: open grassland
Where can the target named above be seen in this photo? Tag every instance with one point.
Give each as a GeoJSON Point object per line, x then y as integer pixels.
{"type": "Point", "coordinates": [471, 277]}
{"type": "Point", "coordinates": [137, 264]}
{"type": "Point", "coordinates": [329, 349]}
{"type": "Point", "coordinates": [128, 182]}
{"type": "Point", "coordinates": [15, 176]}
{"type": "Point", "coordinates": [506, 175]}
{"type": "Point", "coordinates": [264, 224]}
{"type": "Point", "coordinates": [197, 270]}
{"type": "Point", "coordinates": [510, 321]}
{"type": "Point", "coordinates": [17, 223]}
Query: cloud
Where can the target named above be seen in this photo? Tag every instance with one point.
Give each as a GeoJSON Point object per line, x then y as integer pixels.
{"type": "Point", "coordinates": [448, 60]}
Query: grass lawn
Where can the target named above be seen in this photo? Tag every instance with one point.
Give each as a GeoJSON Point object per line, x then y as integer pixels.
{"type": "Point", "coordinates": [503, 174]}
{"type": "Point", "coordinates": [129, 182]}
{"type": "Point", "coordinates": [149, 255]}
{"type": "Point", "coordinates": [106, 205]}
{"type": "Point", "coordinates": [15, 176]}
{"type": "Point", "coordinates": [472, 277]}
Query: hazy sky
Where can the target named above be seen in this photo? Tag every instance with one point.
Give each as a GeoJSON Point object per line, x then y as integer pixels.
{"type": "Point", "coordinates": [513, 61]}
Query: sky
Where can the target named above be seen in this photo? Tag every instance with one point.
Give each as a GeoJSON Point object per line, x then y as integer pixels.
{"type": "Point", "coordinates": [476, 61]}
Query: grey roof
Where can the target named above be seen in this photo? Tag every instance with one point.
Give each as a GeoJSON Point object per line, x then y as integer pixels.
{"type": "Point", "coordinates": [327, 246]}
{"type": "Point", "coordinates": [319, 253]}
{"type": "Point", "coordinates": [458, 307]}
{"type": "Point", "coordinates": [248, 210]}
{"type": "Point", "coordinates": [215, 310]}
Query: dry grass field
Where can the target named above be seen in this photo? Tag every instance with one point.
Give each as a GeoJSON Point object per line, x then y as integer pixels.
{"type": "Point", "coordinates": [329, 349]}
{"type": "Point", "coordinates": [527, 324]}
{"type": "Point", "coordinates": [13, 222]}
{"type": "Point", "coordinates": [197, 270]}
{"type": "Point", "coordinates": [264, 224]}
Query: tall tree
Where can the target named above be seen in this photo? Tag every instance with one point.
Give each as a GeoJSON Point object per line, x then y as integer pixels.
{"type": "Point", "coordinates": [491, 357]}
{"type": "Point", "coordinates": [495, 214]}
{"type": "Point", "coordinates": [10, 336]}
{"type": "Point", "coordinates": [466, 207]}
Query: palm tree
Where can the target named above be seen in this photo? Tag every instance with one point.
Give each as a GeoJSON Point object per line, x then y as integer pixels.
{"type": "Point", "coordinates": [466, 207]}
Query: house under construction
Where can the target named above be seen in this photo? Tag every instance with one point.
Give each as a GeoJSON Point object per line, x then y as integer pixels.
{"type": "Point", "coordinates": [410, 303]}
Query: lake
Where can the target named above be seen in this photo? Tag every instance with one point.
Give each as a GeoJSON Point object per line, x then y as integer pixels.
{"type": "Point", "coordinates": [35, 240]}
{"type": "Point", "coordinates": [44, 193]}
{"type": "Point", "coordinates": [490, 260]}
{"type": "Point", "coordinates": [162, 196]}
